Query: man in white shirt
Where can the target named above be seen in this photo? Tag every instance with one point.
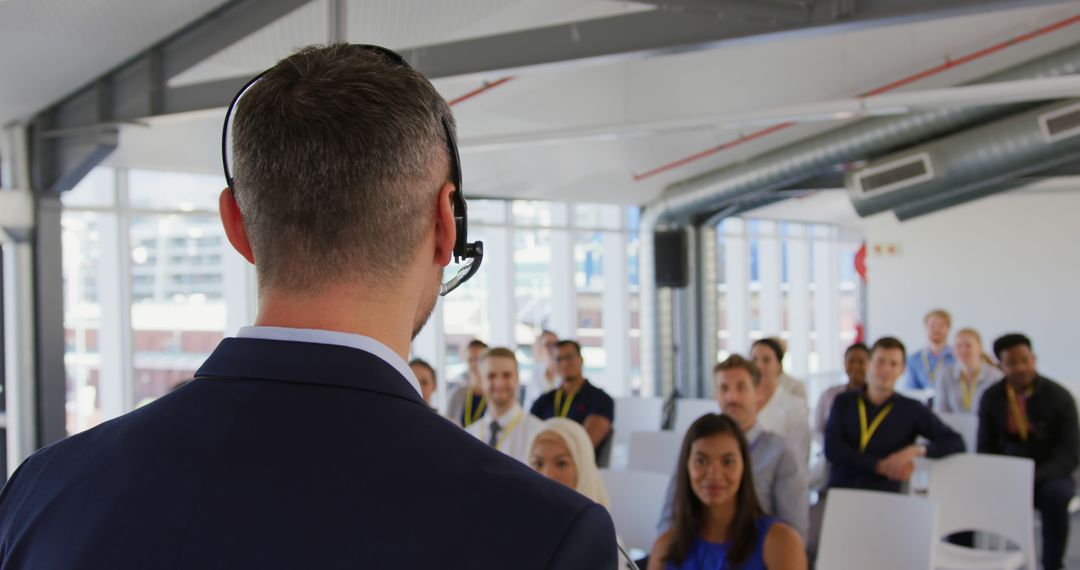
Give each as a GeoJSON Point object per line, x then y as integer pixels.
{"type": "Point", "coordinates": [506, 426]}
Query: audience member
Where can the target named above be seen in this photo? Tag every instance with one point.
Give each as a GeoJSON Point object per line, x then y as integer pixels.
{"type": "Point", "coordinates": [870, 438]}
{"type": "Point", "coordinates": [576, 398]}
{"type": "Point", "coordinates": [718, 522]}
{"type": "Point", "coordinates": [856, 361]}
{"type": "Point", "coordinates": [467, 403]}
{"type": "Point", "coordinates": [962, 385]}
{"type": "Point", "coordinates": [425, 376]}
{"type": "Point", "coordinates": [1029, 415]}
{"type": "Point", "coordinates": [926, 365]}
{"type": "Point", "coordinates": [782, 407]}
{"type": "Point", "coordinates": [505, 426]}
{"type": "Point", "coordinates": [562, 451]}
{"type": "Point", "coordinates": [779, 478]}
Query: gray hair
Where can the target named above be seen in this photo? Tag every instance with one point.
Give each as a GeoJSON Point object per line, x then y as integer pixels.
{"type": "Point", "coordinates": [339, 153]}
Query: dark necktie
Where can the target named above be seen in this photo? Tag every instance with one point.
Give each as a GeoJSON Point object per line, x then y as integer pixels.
{"type": "Point", "coordinates": [493, 439]}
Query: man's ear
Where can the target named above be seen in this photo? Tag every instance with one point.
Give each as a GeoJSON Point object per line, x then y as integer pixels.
{"type": "Point", "coordinates": [233, 222]}
{"type": "Point", "coordinates": [445, 228]}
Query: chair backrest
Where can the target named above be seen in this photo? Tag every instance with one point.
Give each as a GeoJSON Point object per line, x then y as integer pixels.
{"type": "Point", "coordinates": [636, 414]}
{"type": "Point", "coordinates": [991, 493]}
{"type": "Point", "coordinates": [967, 425]}
{"type": "Point", "coordinates": [654, 452]}
{"type": "Point", "coordinates": [637, 498]}
{"type": "Point", "coordinates": [688, 410]}
{"type": "Point", "coordinates": [882, 531]}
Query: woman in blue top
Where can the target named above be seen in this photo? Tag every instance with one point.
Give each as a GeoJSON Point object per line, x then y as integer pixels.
{"type": "Point", "coordinates": [717, 521]}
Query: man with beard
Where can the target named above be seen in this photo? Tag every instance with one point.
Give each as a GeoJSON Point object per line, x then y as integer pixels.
{"type": "Point", "coordinates": [1029, 415]}
{"type": "Point", "coordinates": [304, 442]}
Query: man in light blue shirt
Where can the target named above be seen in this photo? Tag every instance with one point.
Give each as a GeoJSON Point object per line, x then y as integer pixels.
{"type": "Point", "coordinates": [926, 366]}
{"type": "Point", "coordinates": [780, 481]}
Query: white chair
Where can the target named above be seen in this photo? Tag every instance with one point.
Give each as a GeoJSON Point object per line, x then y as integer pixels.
{"type": "Point", "coordinates": [880, 531]}
{"type": "Point", "coordinates": [636, 414]}
{"type": "Point", "coordinates": [688, 410]}
{"type": "Point", "coordinates": [989, 493]}
{"type": "Point", "coordinates": [636, 501]}
{"type": "Point", "coordinates": [967, 425]}
{"type": "Point", "coordinates": [654, 452]}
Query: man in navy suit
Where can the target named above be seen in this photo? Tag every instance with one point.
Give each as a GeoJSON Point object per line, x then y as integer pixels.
{"type": "Point", "coordinates": [304, 442]}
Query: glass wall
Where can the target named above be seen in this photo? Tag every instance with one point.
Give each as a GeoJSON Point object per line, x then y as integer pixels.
{"type": "Point", "coordinates": [145, 284]}
{"type": "Point", "coordinates": [151, 285]}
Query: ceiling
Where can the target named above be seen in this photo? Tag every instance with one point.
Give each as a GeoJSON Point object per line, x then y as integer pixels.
{"type": "Point", "coordinates": [559, 132]}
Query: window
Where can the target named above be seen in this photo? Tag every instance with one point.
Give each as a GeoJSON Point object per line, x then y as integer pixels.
{"type": "Point", "coordinates": [144, 287]}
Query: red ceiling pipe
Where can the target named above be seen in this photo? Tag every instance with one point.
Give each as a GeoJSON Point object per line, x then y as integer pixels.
{"type": "Point", "coordinates": [949, 64]}
{"type": "Point", "coordinates": [485, 87]}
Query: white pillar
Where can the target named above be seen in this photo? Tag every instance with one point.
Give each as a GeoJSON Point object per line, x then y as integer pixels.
{"type": "Point", "coordinates": [563, 288]}
{"type": "Point", "coordinates": [798, 266]}
{"type": "Point", "coordinates": [616, 314]}
{"type": "Point", "coordinates": [826, 275]}
{"type": "Point", "coordinates": [499, 271]}
{"type": "Point", "coordinates": [430, 345]}
{"type": "Point", "coordinates": [21, 411]}
{"type": "Point", "coordinates": [114, 327]}
{"type": "Point", "coordinates": [770, 274]}
{"type": "Point", "coordinates": [737, 281]}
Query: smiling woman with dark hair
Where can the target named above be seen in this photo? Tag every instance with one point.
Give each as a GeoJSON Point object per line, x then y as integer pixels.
{"type": "Point", "coordinates": [717, 520]}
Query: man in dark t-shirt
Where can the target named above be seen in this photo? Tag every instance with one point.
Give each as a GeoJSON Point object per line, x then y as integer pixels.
{"type": "Point", "coordinates": [1028, 415]}
{"type": "Point", "coordinates": [576, 398]}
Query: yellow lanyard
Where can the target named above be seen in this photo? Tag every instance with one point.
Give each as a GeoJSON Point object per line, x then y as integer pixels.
{"type": "Point", "coordinates": [932, 378]}
{"type": "Point", "coordinates": [865, 433]}
{"type": "Point", "coordinates": [1022, 426]}
{"type": "Point", "coordinates": [471, 417]}
{"type": "Point", "coordinates": [967, 390]}
{"type": "Point", "coordinates": [565, 408]}
{"type": "Point", "coordinates": [509, 428]}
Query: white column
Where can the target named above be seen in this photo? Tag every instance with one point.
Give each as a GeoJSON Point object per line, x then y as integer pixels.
{"type": "Point", "coordinates": [616, 314]}
{"type": "Point", "coordinates": [563, 288]}
{"type": "Point", "coordinates": [240, 290]}
{"type": "Point", "coordinates": [737, 272]}
{"type": "Point", "coordinates": [114, 338]}
{"type": "Point", "coordinates": [499, 262]}
{"type": "Point", "coordinates": [430, 345]}
{"type": "Point", "coordinates": [769, 271]}
{"type": "Point", "coordinates": [798, 266]}
{"type": "Point", "coordinates": [21, 411]}
{"type": "Point", "coordinates": [826, 275]}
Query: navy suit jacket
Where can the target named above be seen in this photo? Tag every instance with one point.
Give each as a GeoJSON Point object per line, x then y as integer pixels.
{"type": "Point", "coordinates": [291, 455]}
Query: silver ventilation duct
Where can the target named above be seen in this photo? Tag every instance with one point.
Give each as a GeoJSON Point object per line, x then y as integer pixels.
{"type": "Point", "coordinates": [963, 195]}
{"type": "Point", "coordinates": [800, 161]}
{"type": "Point", "coordinates": [981, 157]}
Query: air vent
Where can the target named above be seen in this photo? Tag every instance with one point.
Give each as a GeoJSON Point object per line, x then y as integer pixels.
{"type": "Point", "coordinates": [1061, 124]}
{"type": "Point", "coordinates": [895, 175]}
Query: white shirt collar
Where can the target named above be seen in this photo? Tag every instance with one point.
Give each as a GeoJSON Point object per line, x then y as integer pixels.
{"type": "Point", "coordinates": [349, 340]}
{"type": "Point", "coordinates": [504, 419]}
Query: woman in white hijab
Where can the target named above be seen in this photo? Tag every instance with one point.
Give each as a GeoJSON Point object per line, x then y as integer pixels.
{"type": "Point", "coordinates": [561, 450]}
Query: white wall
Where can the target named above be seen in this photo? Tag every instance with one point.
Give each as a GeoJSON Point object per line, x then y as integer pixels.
{"type": "Point", "coordinates": [1005, 263]}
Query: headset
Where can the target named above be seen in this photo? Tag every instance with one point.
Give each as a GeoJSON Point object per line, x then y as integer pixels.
{"type": "Point", "coordinates": [472, 253]}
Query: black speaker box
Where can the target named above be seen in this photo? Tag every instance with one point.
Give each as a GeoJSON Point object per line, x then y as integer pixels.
{"type": "Point", "coordinates": [670, 258]}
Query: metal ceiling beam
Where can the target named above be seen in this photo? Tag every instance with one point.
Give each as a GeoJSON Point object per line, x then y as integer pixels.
{"type": "Point", "coordinates": [667, 30]}
{"type": "Point", "coordinates": [76, 133]}
{"type": "Point", "coordinates": [674, 27]}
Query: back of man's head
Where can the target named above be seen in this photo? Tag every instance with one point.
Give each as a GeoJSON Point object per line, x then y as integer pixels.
{"type": "Point", "coordinates": [339, 155]}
